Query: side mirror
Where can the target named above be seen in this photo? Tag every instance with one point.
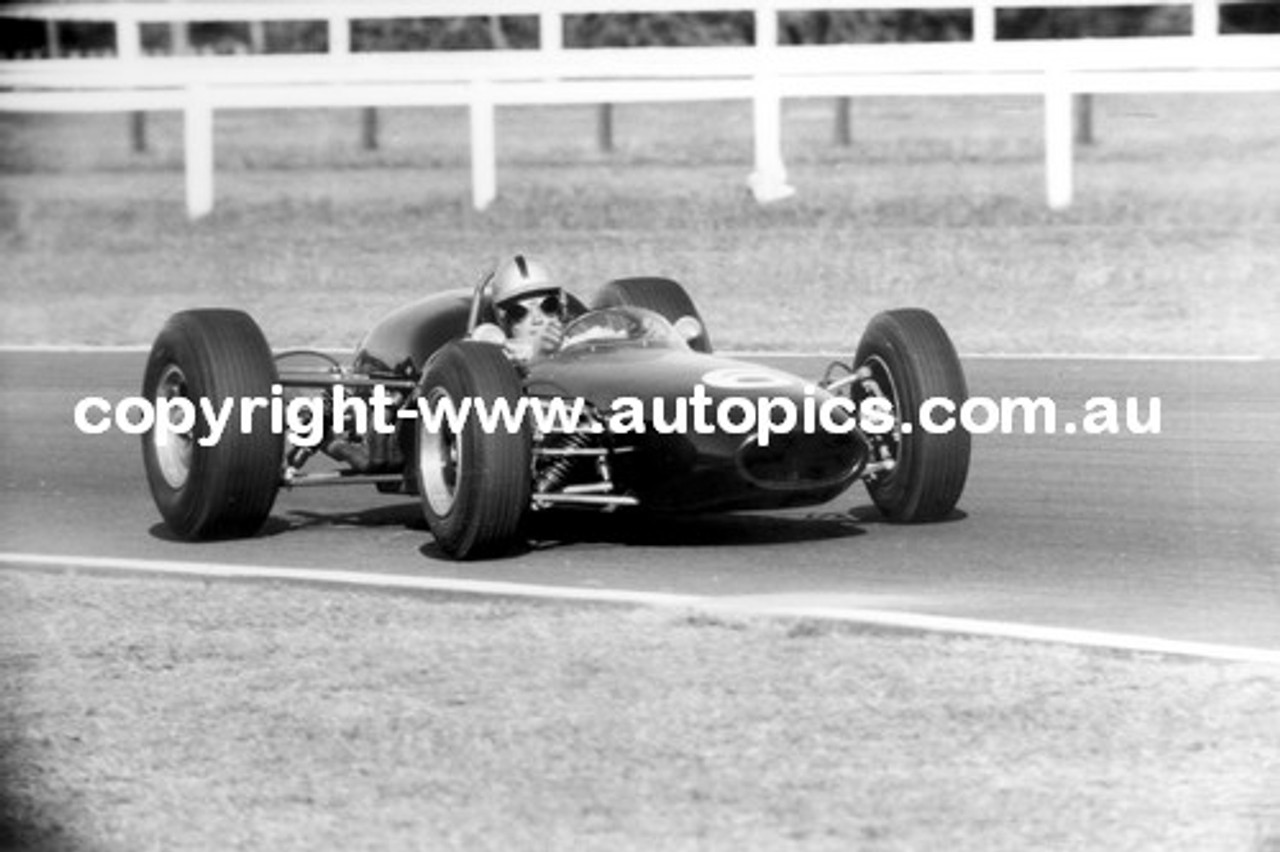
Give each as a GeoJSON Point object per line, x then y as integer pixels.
{"type": "Point", "coordinates": [688, 327]}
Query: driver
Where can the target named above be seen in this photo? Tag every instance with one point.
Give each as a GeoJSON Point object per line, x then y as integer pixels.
{"type": "Point", "coordinates": [530, 307]}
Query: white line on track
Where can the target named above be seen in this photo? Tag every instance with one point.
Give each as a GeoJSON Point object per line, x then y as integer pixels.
{"type": "Point", "coordinates": [753, 607]}
{"type": "Point", "coordinates": [1020, 356]}
{"type": "Point", "coordinates": [76, 349]}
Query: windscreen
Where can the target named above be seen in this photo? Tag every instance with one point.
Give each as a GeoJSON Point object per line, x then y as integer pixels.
{"type": "Point", "coordinates": [621, 326]}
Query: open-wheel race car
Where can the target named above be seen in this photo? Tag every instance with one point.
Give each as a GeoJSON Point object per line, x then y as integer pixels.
{"type": "Point", "coordinates": [640, 340]}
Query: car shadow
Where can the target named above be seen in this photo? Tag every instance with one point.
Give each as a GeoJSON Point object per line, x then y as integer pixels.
{"type": "Point", "coordinates": [630, 528]}
{"type": "Point", "coordinates": [407, 515]}
{"type": "Point", "coordinates": [739, 530]}
{"type": "Point", "coordinates": [547, 531]}
{"type": "Point", "coordinates": [743, 529]}
{"type": "Point", "coordinates": [869, 514]}
{"type": "Point", "coordinates": [400, 515]}
{"type": "Point", "coordinates": [655, 529]}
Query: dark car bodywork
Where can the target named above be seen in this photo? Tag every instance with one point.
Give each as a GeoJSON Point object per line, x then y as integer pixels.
{"type": "Point", "coordinates": [641, 342]}
{"type": "Point", "coordinates": [659, 467]}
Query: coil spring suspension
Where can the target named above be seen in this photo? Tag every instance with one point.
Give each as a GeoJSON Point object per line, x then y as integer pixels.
{"type": "Point", "coordinates": [557, 470]}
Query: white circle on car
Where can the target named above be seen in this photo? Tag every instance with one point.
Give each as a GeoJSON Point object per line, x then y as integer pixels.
{"type": "Point", "coordinates": [746, 378]}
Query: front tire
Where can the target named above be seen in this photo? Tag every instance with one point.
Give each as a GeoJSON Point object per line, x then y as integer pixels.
{"type": "Point", "coordinates": [660, 295]}
{"type": "Point", "coordinates": [225, 490]}
{"type": "Point", "coordinates": [475, 485]}
{"type": "Point", "coordinates": [911, 359]}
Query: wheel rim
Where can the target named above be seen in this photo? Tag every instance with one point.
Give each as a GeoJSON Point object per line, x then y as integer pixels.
{"type": "Point", "coordinates": [174, 450]}
{"type": "Point", "coordinates": [439, 461]}
{"type": "Point", "coordinates": [883, 376]}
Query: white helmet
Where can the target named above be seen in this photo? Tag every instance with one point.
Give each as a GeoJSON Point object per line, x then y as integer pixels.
{"type": "Point", "coordinates": [520, 277]}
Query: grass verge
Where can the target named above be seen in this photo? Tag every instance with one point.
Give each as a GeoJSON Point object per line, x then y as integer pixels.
{"type": "Point", "coordinates": [171, 714]}
{"type": "Point", "coordinates": [1168, 249]}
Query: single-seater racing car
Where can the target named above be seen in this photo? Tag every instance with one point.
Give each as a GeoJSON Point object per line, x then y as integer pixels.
{"type": "Point", "coordinates": [641, 341]}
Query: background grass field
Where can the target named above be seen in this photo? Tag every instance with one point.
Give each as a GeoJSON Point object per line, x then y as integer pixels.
{"type": "Point", "coordinates": [171, 715]}
{"type": "Point", "coordinates": [1170, 247]}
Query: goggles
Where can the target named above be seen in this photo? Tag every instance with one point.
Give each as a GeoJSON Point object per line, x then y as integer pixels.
{"type": "Point", "coordinates": [550, 305]}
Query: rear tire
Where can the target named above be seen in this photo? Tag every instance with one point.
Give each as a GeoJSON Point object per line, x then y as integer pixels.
{"type": "Point", "coordinates": [660, 295]}
{"type": "Point", "coordinates": [475, 485]}
{"type": "Point", "coordinates": [225, 490]}
{"type": "Point", "coordinates": [912, 359]}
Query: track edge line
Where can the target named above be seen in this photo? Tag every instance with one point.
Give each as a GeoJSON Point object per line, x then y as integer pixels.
{"type": "Point", "coordinates": [869, 617]}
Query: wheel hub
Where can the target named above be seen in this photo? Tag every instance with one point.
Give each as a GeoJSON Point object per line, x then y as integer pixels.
{"type": "Point", "coordinates": [174, 450]}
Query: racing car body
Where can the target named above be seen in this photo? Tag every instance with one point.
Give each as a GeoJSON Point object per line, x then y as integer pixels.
{"type": "Point", "coordinates": [651, 418]}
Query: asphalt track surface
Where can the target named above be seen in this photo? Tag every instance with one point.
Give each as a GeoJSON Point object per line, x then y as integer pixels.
{"type": "Point", "coordinates": [1173, 535]}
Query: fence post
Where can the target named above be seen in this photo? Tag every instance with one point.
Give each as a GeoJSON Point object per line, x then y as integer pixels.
{"type": "Point", "coordinates": [339, 36]}
{"type": "Point", "coordinates": [769, 180]}
{"type": "Point", "coordinates": [484, 149]}
{"type": "Point", "coordinates": [604, 128]}
{"type": "Point", "coordinates": [844, 121]}
{"type": "Point", "coordinates": [1058, 138]}
{"type": "Point", "coordinates": [129, 46]}
{"type": "Point", "coordinates": [138, 132]}
{"type": "Point", "coordinates": [984, 21]}
{"type": "Point", "coordinates": [179, 38]}
{"type": "Point", "coordinates": [339, 30]}
{"type": "Point", "coordinates": [550, 32]}
{"type": "Point", "coordinates": [128, 38]}
{"type": "Point", "coordinates": [54, 40]}
{"type": "Point", "coordinates": [257, 37]}
{"type": "Point", "coordinates": [369, 128]}
{"type": "Point", "coordinates": [1204, 18]}
{"type": "Point", "coordinates": [198, 151]}
{"type": "Point", "coordinates": [1084, 119]}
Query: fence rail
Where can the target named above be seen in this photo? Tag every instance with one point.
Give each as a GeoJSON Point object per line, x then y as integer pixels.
{"type": "Point", "coordinates": [763, 72]}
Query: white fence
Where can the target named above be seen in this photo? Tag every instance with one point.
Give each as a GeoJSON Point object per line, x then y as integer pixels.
{"type": "Point", "coordinates": [763, 73]}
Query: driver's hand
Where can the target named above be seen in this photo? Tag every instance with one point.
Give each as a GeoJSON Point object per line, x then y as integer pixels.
{"type": "Point", "coordinates": [550, 338]}
{"type": "Point", "coordinates": [535, 342]}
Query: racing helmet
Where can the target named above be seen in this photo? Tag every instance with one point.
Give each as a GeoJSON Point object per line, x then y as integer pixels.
{"type": "Point", "coordinates": [519, 278]}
